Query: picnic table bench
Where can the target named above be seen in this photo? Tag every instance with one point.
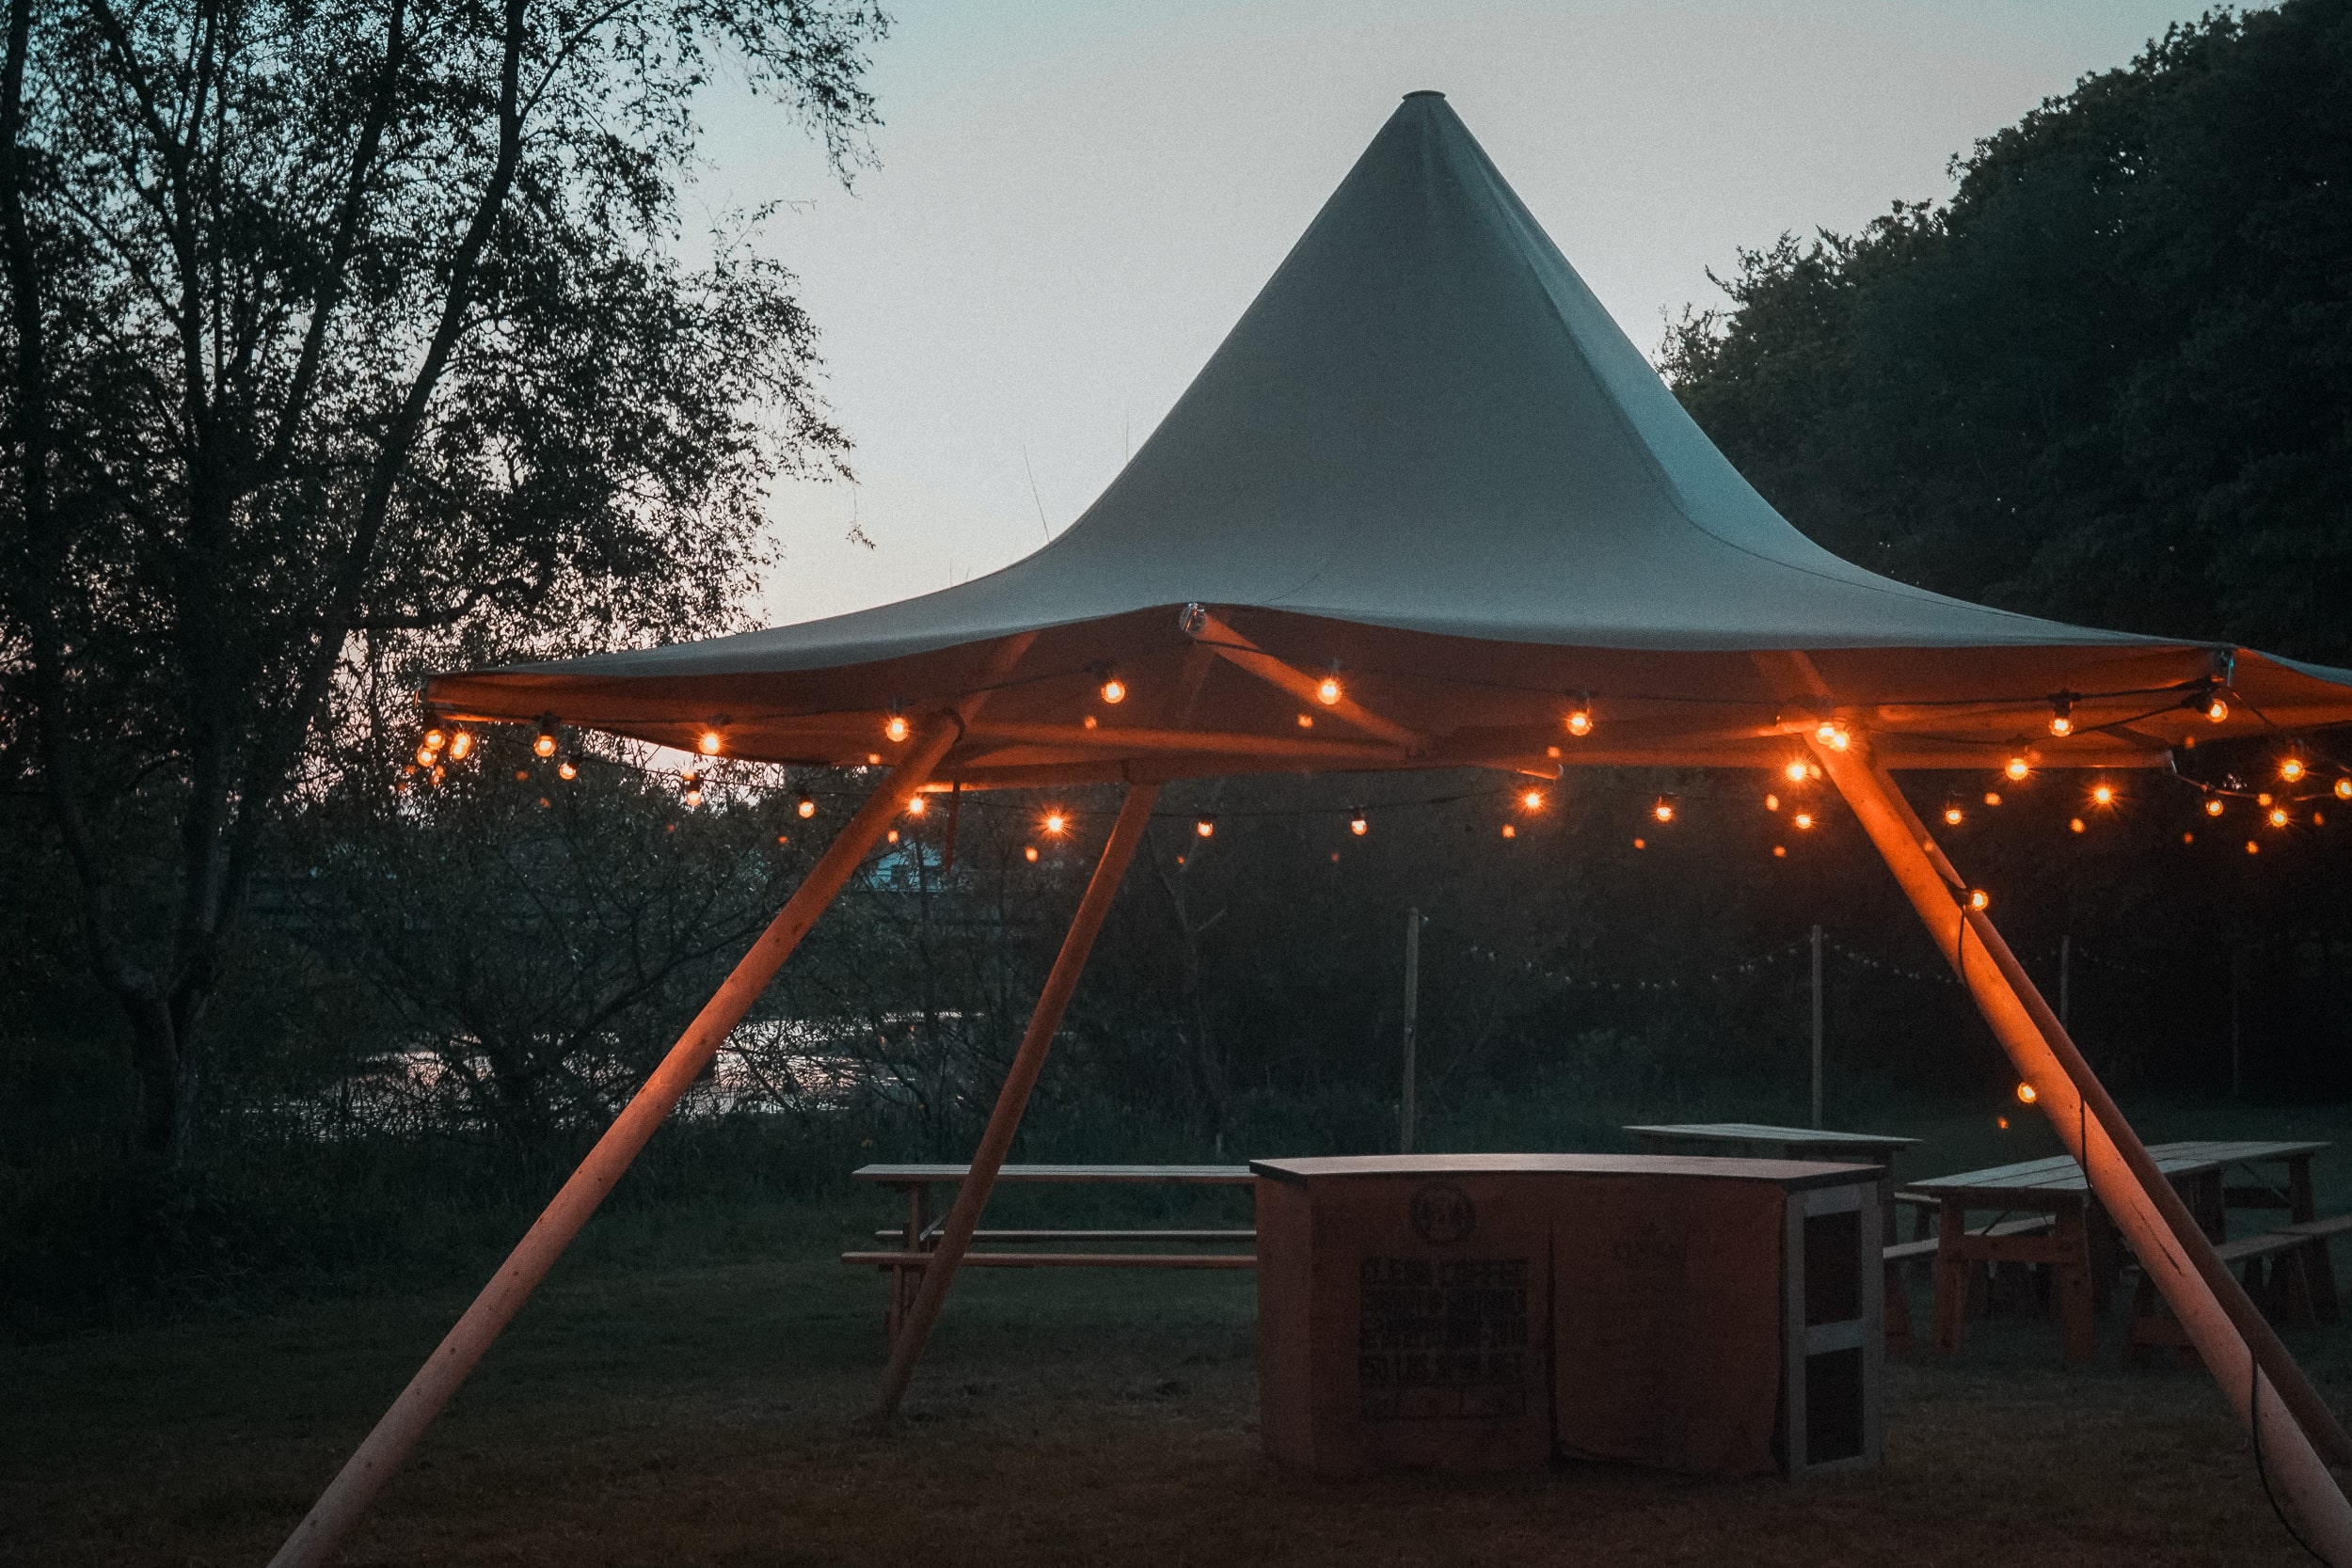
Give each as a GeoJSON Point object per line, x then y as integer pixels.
{"type": "Point", "coordinates": [920, 1235]}
{"type": "Point", "coordinates": [2081, 1248]}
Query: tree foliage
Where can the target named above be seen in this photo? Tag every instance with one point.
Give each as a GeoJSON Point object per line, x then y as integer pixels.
{"type": "Point", "coordinates": [2111, 379]}
{"type": "Point", "coordinates": [341, 331]}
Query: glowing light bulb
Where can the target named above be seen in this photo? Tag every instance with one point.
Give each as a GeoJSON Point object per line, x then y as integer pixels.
{"type": "Point", "coordinates": [2215, 709]}
{"type": "Point", "coordinates": [1780, 852]}
{"type": "Point", "coordinates": [1804, 820]}
{"type": "Point", "coordinates": [1664, 811]}
{"type": "Point", "coordinates": [709, 742]}
{"type": "Point", "coordinates": [1795, 772]}
{"type": "Point", "coordinates": [2018, 768]}
{"type": "Point", "coordinates": [892, 835]}
{"type": "Point", "coordinates": [1581, 718]}
{"type": "Point", "coordinates": [2026, 1094]}
{"type": "Point", "coordinates": [2214, 807]}
{"type": "Point", "coordinates": [434, 740]}
{"type": "Point", "coordinates": [424, 756]}
{"type": "Point", "coordinates": [2061, 725]}
{"type": "Point", "coordinates": [1953, 816]}
{"type": "Point", "coordinates": [1327, 690]}
{"type": "Point", "coordinates": [1358, 824]}
{"type": "Point", "coordinates": [1206, 827]}
{"type": "Point", "coordinates": [897, 728]}
{"type": "Point", "coordinates": [1978, 898]}
{"type": "Point", "coordinates": [2292, 771]}
{"type": "Point", "coordinates": [461, 745]}
{"type": "Point", "coordinates": [1832, 734]}
{"type": "Point", "coordinates": [2262, 800]}
{"type": "Point", "coordinates": [2075, 823]}
{"type": "Point", "coordinates": [2103, 794]}
{"type": "Point", "coordinates": [1532, 799]}
{"type": "Point", "coordinates": [1771, 802]}
{"type": "Point", "coordinates": [1992, 796]}
{"type": "Point", "coordinates": [568, 769]}
{"type": "Point", "coordinates": [2253, 848]}
{"type": "Point", "coordinates": [1028, 852]}
{"type": "Point", "coordinates": [2278, 816]}
{"type": "Point", "coordinates": [1056, 822]}
{"type": "Point", "coordinates": [694, 796]}
{"type": "Point", "coordinates": [1114, 690]}
{"type": "Point", "coordinates": [917, 805]}
{"type": "Point", "coordinates": [806, 805]}
{"type": "Point", "coordinates": [2344, 789]}
{"type": "Point", "coordinates": [1306, 720]}
{"type": "Point", "coordinates": [1509, 830]}
{"type": "Point", "coordinates": [544, 743]}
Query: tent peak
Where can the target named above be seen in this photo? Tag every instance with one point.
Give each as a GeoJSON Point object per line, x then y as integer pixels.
{"type": "Point", "coordinates": [1422, 92]}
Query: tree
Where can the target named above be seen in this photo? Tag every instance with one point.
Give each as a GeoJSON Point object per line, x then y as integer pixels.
{"type": "Point", "coordinates": [2106, 380]}
{"type": "Point", "coordinates": [342, 331]}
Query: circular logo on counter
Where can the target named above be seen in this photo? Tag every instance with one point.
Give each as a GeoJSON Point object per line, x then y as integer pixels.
{"type": "Point", "coordinates": [1442, 1215]}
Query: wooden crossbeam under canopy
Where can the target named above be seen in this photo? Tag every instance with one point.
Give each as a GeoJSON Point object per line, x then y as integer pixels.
{"type": "Point", "coordinates": [1428, 508]}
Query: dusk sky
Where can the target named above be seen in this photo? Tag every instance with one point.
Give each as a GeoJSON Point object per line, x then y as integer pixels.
{"type": "Point", "coordinates": [1074, 201]}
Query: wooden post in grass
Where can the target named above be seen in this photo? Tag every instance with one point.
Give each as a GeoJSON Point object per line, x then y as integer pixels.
{"type": "Point", "coordinates": [364, 1473]}
{"type": "Point", "coordinates": [1412, 1011]}
{"type": "Point", "coordinates": [2288, 1419]}
{"type": "Point", "coordinates": [954, 1233]}
{"type": "Point", "coordinates": [1817, 1026]}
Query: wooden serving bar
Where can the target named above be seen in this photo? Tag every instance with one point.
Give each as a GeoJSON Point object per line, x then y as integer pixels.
{"type": "Point", "coordinates": [1479, 1312]}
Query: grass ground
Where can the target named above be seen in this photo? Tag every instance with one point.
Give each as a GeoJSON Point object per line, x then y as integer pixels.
{"type": "Point", "coordinates": [647, 1409]}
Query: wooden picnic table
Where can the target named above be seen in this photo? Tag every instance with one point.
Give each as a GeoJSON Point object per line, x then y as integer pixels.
{"type": "Point", "coordinates": [2082, 1248]}
{"type": "Point", "coordinates": [920, 1234]}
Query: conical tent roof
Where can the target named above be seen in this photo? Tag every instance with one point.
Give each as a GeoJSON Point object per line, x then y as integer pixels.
{"type": "Point", "coordinates": [1427, 459]}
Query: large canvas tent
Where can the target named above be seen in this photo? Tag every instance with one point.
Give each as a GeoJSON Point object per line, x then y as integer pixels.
{"type": "Point", "coordinates": [1429, 496]}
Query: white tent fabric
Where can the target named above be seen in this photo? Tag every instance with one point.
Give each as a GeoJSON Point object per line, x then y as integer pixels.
{"type": "Point", "coordinates": [1425, 424]}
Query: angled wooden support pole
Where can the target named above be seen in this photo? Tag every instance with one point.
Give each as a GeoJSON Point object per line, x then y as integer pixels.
{"type": "Point", "coordinates": [356, 1485]}
{"type": "Point", "coordinates": [955, 1236]}
{"type": "Point", "coordinates": [2288, 1419]}
{"type": "Point", "coordinates": [1207, 630]}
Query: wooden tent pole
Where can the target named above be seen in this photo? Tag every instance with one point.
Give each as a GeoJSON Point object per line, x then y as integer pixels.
{"type": "Point", "coordinates": [955, 1236]}
{"type": "Point", "coordinates": [2238, 1347]}
{"type": "Point", "coordinates": [364, 1473]}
